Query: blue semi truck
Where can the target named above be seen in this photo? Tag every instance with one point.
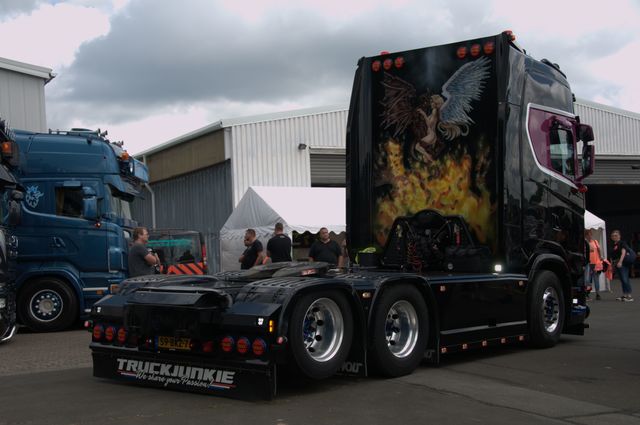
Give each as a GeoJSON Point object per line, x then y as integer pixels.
{"type": "Point", "coordinates": [74, 224]}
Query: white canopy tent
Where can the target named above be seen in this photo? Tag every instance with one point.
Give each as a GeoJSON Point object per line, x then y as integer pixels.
{"type": "Point", "coordinates": [299, 209]}
{"type": "Point", "coordinates": [598, 232]}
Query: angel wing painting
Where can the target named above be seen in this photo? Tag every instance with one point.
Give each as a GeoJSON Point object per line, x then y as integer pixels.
{"type": "Point", "coordinates": [433, 118]}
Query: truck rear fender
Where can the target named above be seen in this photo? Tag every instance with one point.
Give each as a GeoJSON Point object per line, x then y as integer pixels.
{"type": "Point", "coordinates": [422, 285]}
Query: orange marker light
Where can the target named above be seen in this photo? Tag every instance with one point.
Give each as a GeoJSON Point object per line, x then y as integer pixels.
{"type": "Point", "coordinates": [489, 47]}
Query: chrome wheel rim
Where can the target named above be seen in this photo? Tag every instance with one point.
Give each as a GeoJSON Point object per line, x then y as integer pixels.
{"type": "Point", "coordinates": [550, 309]}
{"type": "Point", "coordinates": [401, 329]}
{"type": "Point", "coordinates": [323, 329]}
{"type": "Point", "coordinates": [46, 305]}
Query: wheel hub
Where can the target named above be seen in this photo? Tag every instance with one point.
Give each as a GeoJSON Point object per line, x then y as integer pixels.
{"type": "Point", "coordinates": [550, 309]}
{"type": "Point", "coordinates": [401, 329]}
{"type": "Point", "coordinates": [46, 305]}
{"type": "Point", "coordinates": [323, 329]}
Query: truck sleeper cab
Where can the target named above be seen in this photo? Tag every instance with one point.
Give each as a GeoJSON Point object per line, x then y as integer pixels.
{"type": "Point", "coordinates": [464, 196]}
{"type": "Point", "coordinates": [75, 223]}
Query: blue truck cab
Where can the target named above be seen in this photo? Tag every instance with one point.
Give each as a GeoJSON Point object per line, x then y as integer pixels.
{"type": "Point", "coordinates": [75, 223]}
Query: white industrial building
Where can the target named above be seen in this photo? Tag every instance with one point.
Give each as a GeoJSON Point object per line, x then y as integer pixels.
{"type": "Point", "coordinates": [22, 101]}
{"type": "Point", "coordinates": [199, 178]}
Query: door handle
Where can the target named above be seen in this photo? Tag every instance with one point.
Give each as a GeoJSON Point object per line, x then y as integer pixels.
{"type": "Point", "coordinates": [58, 242]}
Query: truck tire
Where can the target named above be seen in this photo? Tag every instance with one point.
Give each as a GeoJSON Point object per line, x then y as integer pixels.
{"type": "Point", "coordinates": [320, 333]}
{"type": "Point", "coordinates": [47, 304]}
{"type": "Point", "coordinates": [400, 330]}
{"type": "Point", "coordinates": [546, 310]}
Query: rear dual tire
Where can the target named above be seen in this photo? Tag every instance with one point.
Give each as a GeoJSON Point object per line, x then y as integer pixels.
{"type": "Point", "coordinates": [400, 329]}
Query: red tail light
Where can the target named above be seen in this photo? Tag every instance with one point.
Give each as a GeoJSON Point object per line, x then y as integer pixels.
{"type": "Point", "coordinates": [207, 347]}
{"type": "Point", "coordinates": [122, 336]}
{"type": "Point", "coordinates": [227, 344]}
{"type": "Point", "coordinates": [98, 331]}
{"type": "Point", "coordinates": [475, 50]}
{"type": "Point", "coordinates": [110, 333]}
{"type": "Point", "coordinates": [461, 52]}
{"type": "Point", "coordinates": [259, 347]}
{"type": "Point", "coordinates": [243, 345]}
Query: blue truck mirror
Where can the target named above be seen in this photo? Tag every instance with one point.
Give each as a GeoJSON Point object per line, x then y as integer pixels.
{"type": "Point", "coordinates": [90, 208]}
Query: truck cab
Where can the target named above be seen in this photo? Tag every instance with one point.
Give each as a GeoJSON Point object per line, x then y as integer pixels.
{"type": "Point", "coordinates": [75, 223]}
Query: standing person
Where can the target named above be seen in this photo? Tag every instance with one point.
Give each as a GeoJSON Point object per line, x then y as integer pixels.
{"type": "Point", "coordinates": [325, 249]}
{"type": "Point", "coordinates": [595, 262]}
{"type": "Point", "coordinates": [252, 255]}
{"type": "Point", "coordinates": [279, 246]}
{"type": "Point", "coordinates": [620, 249]}
{"type": "Point", "coordinates": [141, 260]}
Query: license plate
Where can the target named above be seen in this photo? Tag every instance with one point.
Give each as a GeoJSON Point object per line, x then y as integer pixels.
{"type": "Point", "coordinates": [171, 343]}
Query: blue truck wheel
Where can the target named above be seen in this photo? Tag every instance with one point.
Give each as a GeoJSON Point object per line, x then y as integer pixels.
{"type": "Point", "coordinates": [47, 304]}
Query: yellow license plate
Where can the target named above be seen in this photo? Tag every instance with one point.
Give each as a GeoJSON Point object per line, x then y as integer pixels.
{"type": "Point", "coordinates": [169, 342]}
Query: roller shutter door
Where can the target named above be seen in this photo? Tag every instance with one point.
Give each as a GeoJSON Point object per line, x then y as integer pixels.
{"type": "Point", "coordinates": [328, 170]}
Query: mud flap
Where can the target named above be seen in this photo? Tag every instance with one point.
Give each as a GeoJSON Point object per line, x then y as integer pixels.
{"type": "Point", "coordinates": [186, 374]}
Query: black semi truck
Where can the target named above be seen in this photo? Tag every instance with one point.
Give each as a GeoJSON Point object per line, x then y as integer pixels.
{"type": "Point", "coordinates": [465, 211]}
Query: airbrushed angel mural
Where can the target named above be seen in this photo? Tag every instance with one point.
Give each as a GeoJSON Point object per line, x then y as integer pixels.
{"type": "Point", "coordinates": [433, 118]}
{"type": "Point", "coordinates": [427, 158]}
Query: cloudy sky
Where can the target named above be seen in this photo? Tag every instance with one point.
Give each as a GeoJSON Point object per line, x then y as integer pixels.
{"type": "Point", "coordinates": [149, 71]}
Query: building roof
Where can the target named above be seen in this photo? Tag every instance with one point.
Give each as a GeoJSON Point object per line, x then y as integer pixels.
{"type": "Point", "coordinates": [46, 74]}
{"type": "Point", "coordinates": [231, 122]}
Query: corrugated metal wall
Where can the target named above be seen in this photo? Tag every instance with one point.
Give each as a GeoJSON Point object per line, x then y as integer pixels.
{"type": "Point", "coordinates": [617, 132]}
{"type": "Point", "coordinates": [22, 101]}
{"type": "Point", "coordinates": [196, 201]}
{"type": "Point", "coordinates": [267, 153]}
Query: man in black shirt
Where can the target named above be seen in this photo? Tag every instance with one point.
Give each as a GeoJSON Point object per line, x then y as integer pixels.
{"type": "Point", "coordinates": [279, 246]}
{"type": "Point", "coordinates": [325, 249]}
{"type": "Point", "coordinates": [252, 256]}
{"type": "Point", "coordinates": [141, 261]}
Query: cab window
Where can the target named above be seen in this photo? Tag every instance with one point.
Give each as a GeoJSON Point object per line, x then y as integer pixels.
{"type": "Point", "coordinates": [69, 201]}
{"type": "Point", "coordinates": [561, 151]}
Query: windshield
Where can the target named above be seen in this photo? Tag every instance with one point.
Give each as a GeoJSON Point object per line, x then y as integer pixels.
{"type": "Point", "coordinates": [119, 207]}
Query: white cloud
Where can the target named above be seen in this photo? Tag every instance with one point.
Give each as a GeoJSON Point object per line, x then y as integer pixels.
{"type": "Point", "coordinates": [621, 71]}
{"type": "Point", "coordinates": [50, 35]}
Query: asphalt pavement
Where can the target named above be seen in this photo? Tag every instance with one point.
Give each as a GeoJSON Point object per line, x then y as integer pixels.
{"type": "Point", "coordinates": [594, 379]}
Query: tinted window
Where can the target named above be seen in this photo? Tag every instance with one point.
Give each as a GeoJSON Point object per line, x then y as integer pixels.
{"type": "Point", "coordinates": [561, 150]}
{"type": "Point", "coordinates": [69, 201]}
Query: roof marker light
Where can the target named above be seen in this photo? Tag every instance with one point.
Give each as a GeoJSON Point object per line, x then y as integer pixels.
{"type": "Point", "coordinates": [475, 50]}
{"type": "Point", "coordinates": [461, 52]}
{"type": "Point", "coordinates": [399, 62]}
{"type": "Point", "coordinates": [489, 47]}
{"type": "Point", "coordinates": [387, 64]}
{"type": "Point", "coordinates": [375, 66]}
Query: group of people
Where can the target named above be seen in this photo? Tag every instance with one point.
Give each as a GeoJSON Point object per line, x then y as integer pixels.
{"type": "Point", "coordinates": [622, 259]}
{"type": "Point", "coordinates": [279, 249]}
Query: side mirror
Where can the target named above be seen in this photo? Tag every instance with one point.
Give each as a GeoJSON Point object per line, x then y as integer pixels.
{"type": "Point", "coordinates": [588, 160]}
{"type": "Point", "coordinates": [89, 203]}
{"type": "Point", "coordinates": [90, 208]}
{"type": "Point", "coordinates": [585, 133]}
{"type": "Point", "coordinates": [14, 214]}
